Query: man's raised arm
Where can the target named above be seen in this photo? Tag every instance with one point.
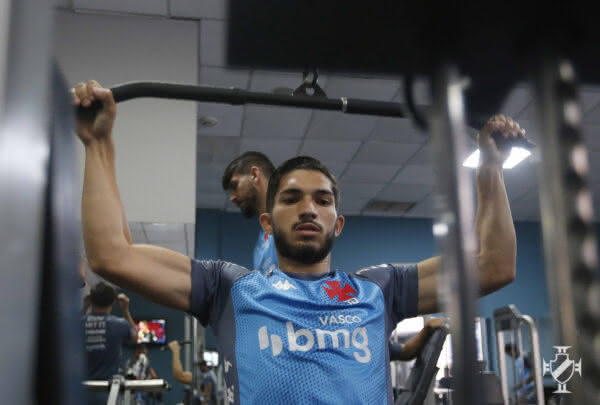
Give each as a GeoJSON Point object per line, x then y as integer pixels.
{"type": "Point", "coordinates": [496, 258]}
{"type": "Point", "coordinates": [159, 274]}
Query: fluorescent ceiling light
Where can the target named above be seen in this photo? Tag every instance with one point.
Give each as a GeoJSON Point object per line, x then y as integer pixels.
{"type": "Point", "coordinates": [517, 155]}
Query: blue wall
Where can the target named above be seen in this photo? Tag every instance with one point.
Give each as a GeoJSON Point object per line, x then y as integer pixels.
{"type": "Point", "coordinates": [364, 241]}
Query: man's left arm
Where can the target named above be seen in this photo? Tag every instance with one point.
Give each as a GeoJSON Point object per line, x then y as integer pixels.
{"type": "Point", "coordinates": [496, 256]}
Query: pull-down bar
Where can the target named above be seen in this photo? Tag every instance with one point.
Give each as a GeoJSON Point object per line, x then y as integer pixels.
{"type": "Point", "coordinates": [237, 96]}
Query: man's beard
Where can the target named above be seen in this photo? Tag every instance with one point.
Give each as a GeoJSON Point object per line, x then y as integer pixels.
{"type": "Point", "coordinates": [305, 254]}
{"type": "Point", "coordinates": [250, 208]}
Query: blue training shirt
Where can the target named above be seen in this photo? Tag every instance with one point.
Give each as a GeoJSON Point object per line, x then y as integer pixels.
{"type": "Point", "coordinates": [105, 336]}
{"type": "Point", "coordinates": [265, 255]}
{"type": "Point", "coordinates": [303, 339]}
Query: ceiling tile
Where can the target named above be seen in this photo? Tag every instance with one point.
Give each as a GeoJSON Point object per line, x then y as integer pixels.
{"type": "Point", "coordinates": [163, 232]}
{"type": "Point", "coordinates": [209, 171]}
{"type": "Point", "coordinates": [421, 157]}
{"type": "Point", "coordinates": [415, 174]}
{"type": "Point", "coordinates": [278, 150]}
{"type": "Point", "coordinates": [222, 77]}
{"type": "Point", "coordinates": [352, 206]}
{"type": "Point", "coordinates": [359, 191]}
{"type": "Point", "coordinates": [589, 103]}
{"type": "Point", "coordinates": [62, 3]}
{"type": "Point", "coordinates": [330, 151]}
{"type": "Point", "coordinates": [335, 167]}
{"type": "Point", "coordinates": [177, 246]}
{"type": "Point", "coordinates": [212, 42]}
{"type": "Point", "coordinates": [229, 119]}
{"type": "Point", "coordinates": [275, 122]}
{"type": "Point", "coordinates": [385, 152]}
{"type": "Point", "coordinates": [589, 98]}
{"type": "Point", "coordinates": [152, 7]}
{"type": "Point", "coordinates": [372, 89]}
{"type": "Point", "coordinates": [334, 125]}
{"type": "Point", "coordinates": [134, 226]}
{"type": "Point", "coordinates": [591, 135]}
{"type": "Point", "coordinates": [137, 232]}
{"type": "Point", "coordinates": [405, 192]}
{"type": "Point", "coordinates": [516, 101]}
{"type": "Point", "coordinates": [190, 235]}
{"type": "Point", "coordinates": [197, 8]}
{"type": "Point", "coordinates": [421, 92]}
{"type": "Point", "coordinates": [520, 179]}
{"type": "Point", "coordinates": [209, 185]}
{"type": "Point", "coordinates": [267, 81]}
{"type": "Point", "coordinates": [526, 206]}
{"type": "Point", "coordinates": [592, 116]}
{"type": "Point", "coordinates": [211, 200]}
{"type": "Point", "coordinates": [215, 149]}
{"type": "Point", "coordinates": [528, 113]}
{"type": "Point", "coordinates": [423, 209]}
{"type": "Point", "coordinates": [369, 173]}
{"type": "Point", "coordinates": [400, 130]}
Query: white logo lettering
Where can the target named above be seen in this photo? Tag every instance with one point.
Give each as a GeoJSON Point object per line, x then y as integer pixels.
{"type": "Point", "coordinates": [263, 341]}
{"type": "Point", "coordinates": [364, 345]}
{"type": "Point", "coordinates": [227, 366]}
{"type": "Point", "coordinates": [230, 395]}
{"type": "Point", "coordinates": [339, 319]}
{"type": "Point", "coordinates": [303, 340]}
{"type": "Point", "coordinates": [334, 338]}
{"type": "Point", "coordinates": [284, 285]}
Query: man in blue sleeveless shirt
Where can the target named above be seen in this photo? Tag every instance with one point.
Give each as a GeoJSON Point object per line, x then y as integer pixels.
{"type": "Point", "coordinates": [300, 333]}
{"type": "Point", "coordinates": [246, 179]}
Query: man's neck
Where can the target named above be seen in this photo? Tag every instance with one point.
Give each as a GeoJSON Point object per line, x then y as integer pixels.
{"type": "Point", "coordinates": [262, 197]}
{"type": "Point", "coordinates": [292, 266]}
{"type": "Point", "coordinates": [101, 310]}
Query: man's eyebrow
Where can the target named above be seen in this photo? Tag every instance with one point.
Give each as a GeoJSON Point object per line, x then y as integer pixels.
{"type": "Point", "coordinates": [294, 190]}
{"type": "Point", "coordinates": [291, 190]}
{"type": "Point", "coordinates": [324, 191]}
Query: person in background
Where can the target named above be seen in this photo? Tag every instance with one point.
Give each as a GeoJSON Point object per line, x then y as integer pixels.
{"type": "Point", "coordinates": [526, 386]}
{"type": "Point", "coordinates": [105, 335]}
{"type": "Point", "coordinates": [208, 385]}
{"type": "Point", "coordinates": [410, 349]}
{"type": "Point", "coordinates": [246, 179]}
{"type": "Point", "coordinates": [138, 368]}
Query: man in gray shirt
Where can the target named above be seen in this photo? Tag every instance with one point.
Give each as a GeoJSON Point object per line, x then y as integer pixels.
{"type": "Point", "coordinates": [105, 334]}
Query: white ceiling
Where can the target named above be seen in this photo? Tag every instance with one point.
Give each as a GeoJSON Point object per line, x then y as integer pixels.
{"type": "Point", "coordinates": [382, 158]}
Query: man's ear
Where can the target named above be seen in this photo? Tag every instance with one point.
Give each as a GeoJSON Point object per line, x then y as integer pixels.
{"type": "Point", "coordinates": [255, 173]}
{"type": "Point", "coordinates": [266, 223]}
{"type": "Point", "coordinates": [339, 225]}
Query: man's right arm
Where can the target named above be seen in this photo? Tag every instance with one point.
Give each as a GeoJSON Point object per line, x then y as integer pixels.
{"type": "Point", "coordinates": [184, 377]}
{"type": "Point", "coordinates": [159, 274]}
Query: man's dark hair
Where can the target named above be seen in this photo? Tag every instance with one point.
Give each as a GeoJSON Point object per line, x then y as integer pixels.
{"type": "Point", "coordinates": [242, 165]}
{"type": "Point", "coordinates": [102, 295]}
{"type": "Point", "coordinates": [511, 348]}
{"type": "Point", "coordinates": [299, 163]}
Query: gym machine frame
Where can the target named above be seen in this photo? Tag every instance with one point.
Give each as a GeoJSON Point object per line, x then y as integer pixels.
{"type": "Point", "coordinates": [509, 318]}
{"type": "Point", "coordinates": [119, 385]}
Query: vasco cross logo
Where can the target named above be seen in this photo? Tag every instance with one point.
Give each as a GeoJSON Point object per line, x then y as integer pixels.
{"type": "Point", "coordinates": [562, 368]}
{"type": "Point", "coordinates": [342, 293]}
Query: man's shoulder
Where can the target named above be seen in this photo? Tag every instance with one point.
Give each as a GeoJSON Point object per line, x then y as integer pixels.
{"type": "Point", "coordinates": [385, 267]}
{"type": "Point", "coordinates": [218, 266]}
